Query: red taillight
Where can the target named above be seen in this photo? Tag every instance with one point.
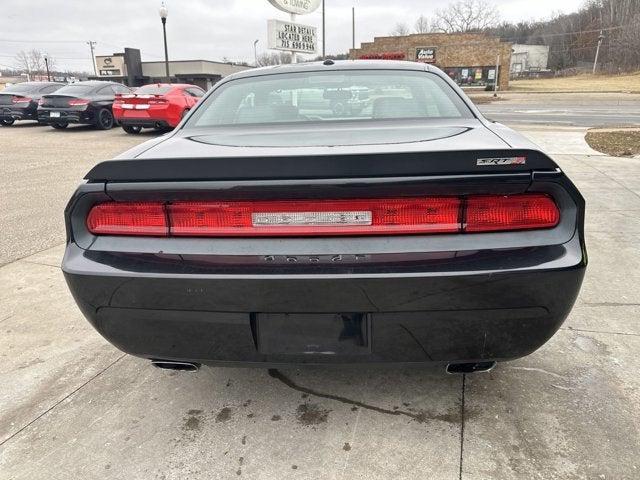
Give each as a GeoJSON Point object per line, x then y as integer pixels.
{"type": "Point", "coordinates": [158, 101]}
{"type": "Point", "coordinates": [382, 216]}
{"type": "Point", "coordinates": [20, 100]}
{"type": "Point", "coordinates": [516, 212]}
{"type": "Point", "coordinates": [119, 218]}
{"type": "Point", "coordinates": [78, 101]}
{"type": "Point", "coordinates": [319, 217]}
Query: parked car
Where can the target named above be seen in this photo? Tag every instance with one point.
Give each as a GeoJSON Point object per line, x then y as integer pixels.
{"type": "Point", "coordinates": [258, 232]}
{"type": "Point", "coordinates": [87, 103]}
{"type": "Point", "coordinates": [160, 106]}
{"type": "Point", "coordinates": [20, 101]}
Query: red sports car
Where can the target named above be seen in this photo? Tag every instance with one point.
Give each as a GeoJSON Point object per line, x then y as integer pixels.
{"type": "Point", "coordinates": [159, 105]}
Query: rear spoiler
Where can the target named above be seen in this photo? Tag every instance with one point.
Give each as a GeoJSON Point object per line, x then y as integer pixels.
{"type": "Point", "coordinates": [321, 166]}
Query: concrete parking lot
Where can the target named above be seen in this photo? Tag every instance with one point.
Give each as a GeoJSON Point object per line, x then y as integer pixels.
{"type": "Point", "coordinates": [72, 406]}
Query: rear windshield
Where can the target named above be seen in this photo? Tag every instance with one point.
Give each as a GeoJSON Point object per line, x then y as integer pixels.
{"type": "Point", "coordinates": [77, 89]}
{"type": "Point", "coordinates": [153, 90]}
{"type": "Point", "coordinates": [22, 88]}
{"type": "Point", "coordinates": [329, 97]}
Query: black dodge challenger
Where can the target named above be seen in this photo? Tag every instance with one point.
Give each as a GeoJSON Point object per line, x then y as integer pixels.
{"type": "Point", "coordinates": [268, 229]}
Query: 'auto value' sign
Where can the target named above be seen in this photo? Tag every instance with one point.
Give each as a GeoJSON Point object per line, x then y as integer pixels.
{"type": "Point", "coordinates": [292, 37]}
{"type": "Point", "coordinates": [426, 54]}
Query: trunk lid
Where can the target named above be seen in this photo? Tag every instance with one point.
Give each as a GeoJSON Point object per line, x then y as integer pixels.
{"type": "Point", "coordinates": [350, 150]}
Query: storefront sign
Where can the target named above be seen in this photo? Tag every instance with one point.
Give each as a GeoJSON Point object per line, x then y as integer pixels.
{"type": "Point", "coordinates": [291, 37]}
{"type": "Point", "coordinates": [299, 7]}
{"type": "Point", "coordinates": [383, 56]}
{"type": "Point", "coordinates": [110, 66]}
{"type": "Point", "coordinates": [426, 54]}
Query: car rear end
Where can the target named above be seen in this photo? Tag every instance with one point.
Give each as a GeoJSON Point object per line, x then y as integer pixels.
{"type": "Point", "coordinates": [397, 242]}
{"type": "Point", "coordinates": [151, 106]}
{"type": "Point", "coordinates": [421, 267]}
{"type": "Point", "coordinates": [63, 109]}
{"type": "Point", "coordinates": [19, 102]}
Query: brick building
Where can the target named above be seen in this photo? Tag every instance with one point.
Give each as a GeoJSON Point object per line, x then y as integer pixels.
{"type": "Point", "coordinates": [468, 58]}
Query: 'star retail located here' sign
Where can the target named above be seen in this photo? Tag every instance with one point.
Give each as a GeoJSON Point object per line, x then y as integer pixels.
{"type": "Point", "coordinates": [291, 37]}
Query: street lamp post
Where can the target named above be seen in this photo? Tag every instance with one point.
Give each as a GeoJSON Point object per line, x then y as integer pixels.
{"type": "Point", "coordinates": [255, 52]}
{"type": "Point", "coordinates": [46, 64]}
{"type": "Point", "coordinates": [164, 13]}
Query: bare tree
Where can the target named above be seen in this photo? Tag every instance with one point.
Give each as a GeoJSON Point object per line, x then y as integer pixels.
{"type": "Point", "coordinates": [273, 58]}
{"type": "Point", "coordinates": [467, 16]}
{"type": "Point", "coordinates": [400, 30]}
{"type": "Point", "coordinates": [625, 51]}
{"type": "Point", "coordinates": [33, 62]}
{"type": "Point", "coordinates": [422, 25]}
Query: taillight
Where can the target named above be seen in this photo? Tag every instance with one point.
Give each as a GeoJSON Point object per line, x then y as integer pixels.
{"type": "Point", "coordinates": [158, 101]}
{"type": "Point", "coordinates": [120, 218]}
{"type": "Point", "coordinates": [382, 216]}
{"type": "Point", "coordinates": [320, 217]}
{"type": "Point", "coordinates": [78, 101]}
{"type": "Point", "coordinates": [41, 101]}
{"type": "Point", "coordinates": [20, 100]}
{"type": "Point", "coordinates": [516, 212]}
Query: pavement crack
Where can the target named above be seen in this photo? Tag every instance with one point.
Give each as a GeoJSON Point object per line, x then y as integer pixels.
{"type": "Point", "coordinates": [605, 332]}
{"type": "Point", "coordinates": [539, 370]}
{"type": "Point", "coordinates": [462, 399]}
{"type": "Point", "coordinates": [278, 375]}
{"type": "Point", "coordinates": [62, 400]}
{"type": "Point", "coordinates": [609, 304]}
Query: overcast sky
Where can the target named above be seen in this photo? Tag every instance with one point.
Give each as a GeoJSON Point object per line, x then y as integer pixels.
{"type": "Point", "coordinates": [205, 29]}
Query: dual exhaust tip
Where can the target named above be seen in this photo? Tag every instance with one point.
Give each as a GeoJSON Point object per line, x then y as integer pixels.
{"type": "Point", "coordinates": [452, 368]}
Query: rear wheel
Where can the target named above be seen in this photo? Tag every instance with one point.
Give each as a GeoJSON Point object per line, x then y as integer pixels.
{"type": "Point", "coordinates": [105, 119]}
{"type": "Point", "coordinates": [131, 129]}
{"type": "Point", "coordinates": [7, 122]}
{"type": "Point", "coordinates": [60, 126]}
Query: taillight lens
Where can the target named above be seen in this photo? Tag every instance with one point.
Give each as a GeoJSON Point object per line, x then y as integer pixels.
{"type": "Point", "coordinates": [158, 101]}
{"type": "Point", "coordinates": [516, 212]}
{"type": "Point", "coordinates": [78, 101]}
{"type": "Point", "coordinates": [384, 216]}
{"type": "Point", "coordinates": [120, 218]}
{"type": "Point", "coordinates": [21, 99]}
{"type": "Point", "coordinates": [320, 217]}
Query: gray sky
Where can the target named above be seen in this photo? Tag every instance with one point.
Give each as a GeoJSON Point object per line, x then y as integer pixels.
{"type": "Point", "coordinates": [206, 29]}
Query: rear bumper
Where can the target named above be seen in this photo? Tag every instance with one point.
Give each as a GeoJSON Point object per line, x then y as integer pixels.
{"type": "Point", "coordinates": [7, 113]}
{"type": "Point", "coordinates": [145, 122]}
{"type": "Point", "coordinates": [85, 117]}
{"type": "Point", "coordinates": [168, 308]}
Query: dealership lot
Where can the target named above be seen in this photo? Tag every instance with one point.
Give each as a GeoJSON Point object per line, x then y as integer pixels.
{"type": "Point", "coordinates": [74, 407]}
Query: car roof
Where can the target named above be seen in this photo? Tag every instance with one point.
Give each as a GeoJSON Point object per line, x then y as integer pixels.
{"type": "Point", "coordinates": [333, 65]}
{"type": "Point", "coordinates": [95, 83]}
{"type": "Point", "coordinates": [175, 85]}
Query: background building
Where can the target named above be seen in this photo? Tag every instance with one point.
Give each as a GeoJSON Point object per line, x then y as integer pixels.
{"type": "Point", "coordinates": [127, 67]}
{"type": "Point", "coordinates": [468, 58]}
{"type": "Point", "coordinates": [529, 58]}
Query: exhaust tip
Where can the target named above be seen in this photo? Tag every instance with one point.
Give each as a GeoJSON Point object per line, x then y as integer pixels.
{"type": "Point", "coordinates": [171, 365]}
{"type": "Point", "coordinates": [474, 367]}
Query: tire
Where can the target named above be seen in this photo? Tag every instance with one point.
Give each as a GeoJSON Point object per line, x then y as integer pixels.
{"type": "Point", "coordinates": [132, 129]}
{"type": "Point", "coordinates": [7, 122]}
{"type": "Point", "coordinates": [105, 120]}
{"type": "Point", "coordinates": [59, 126]}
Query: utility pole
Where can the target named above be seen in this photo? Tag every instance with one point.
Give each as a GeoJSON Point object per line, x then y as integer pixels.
{"type": "Point", "coordinates": [497, 81]}
{"type": "Point", "coordinates": [255, 52]}
{"type": "Point", "coordinates": [595, 62]}
{"type": "Point", "coordinates": [353, 28]}
{"type": "Point", "coordinates": [93, 58]}
{"type": "Point", "coordinates": [323, 34]}
{"type": "Point", "coordinates": [46, 64]}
